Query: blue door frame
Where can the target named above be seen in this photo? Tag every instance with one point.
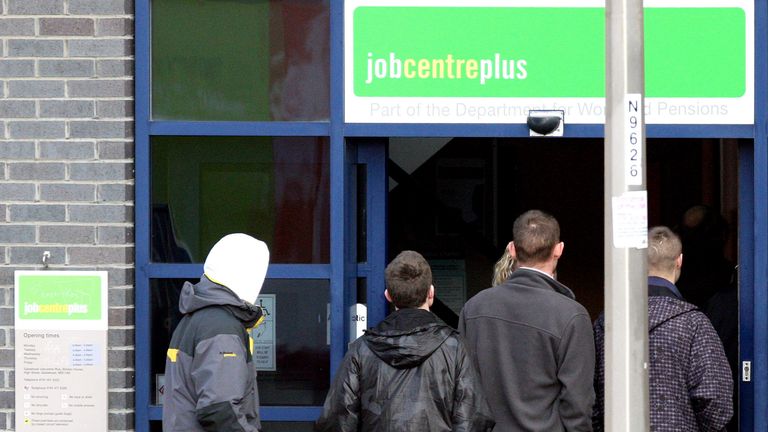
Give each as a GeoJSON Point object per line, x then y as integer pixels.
{"type": "Point", "coordinates": [346, 151]}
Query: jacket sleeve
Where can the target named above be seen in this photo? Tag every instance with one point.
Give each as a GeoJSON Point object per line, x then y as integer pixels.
{"type": "Point", "coordinates": [598, 411]}
{"type": "Point", "coordinates": [341, 411]}
{"type": "Point", "coordinates": [471, 412]}
{"type": "Point", "coordinates": [710, 385]}
{"type": "Point", "coordinates": [576, 369]}
{"type": "Point", "coordinates": [462, 327]}
{"type": "Point", "coordinates": [223, 382]}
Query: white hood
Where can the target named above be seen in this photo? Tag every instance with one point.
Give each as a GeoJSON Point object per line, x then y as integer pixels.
{"type": "Point", "coordinates": [239, 262]}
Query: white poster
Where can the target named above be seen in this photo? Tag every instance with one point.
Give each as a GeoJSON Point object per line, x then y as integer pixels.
{"type": "Point", "coordinates": [264, 336]}
{"type": "Point", "coordinates": [61, 351]}
{"type": "Point", "coordinates": [630, 220]}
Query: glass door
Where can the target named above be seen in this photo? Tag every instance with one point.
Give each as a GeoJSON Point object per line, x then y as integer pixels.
{"type": "Point", "coordinates": [370, 180]}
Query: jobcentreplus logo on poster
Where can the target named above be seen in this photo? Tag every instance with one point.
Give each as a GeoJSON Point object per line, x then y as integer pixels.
{"type": "Point", "coordinates": [55, 308]}
{"type": "Point", "coordinates": [448, 67]}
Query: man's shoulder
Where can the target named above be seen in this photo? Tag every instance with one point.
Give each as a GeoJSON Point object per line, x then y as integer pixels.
{"type": "Point", "coordinates": [486, 296]}
{"type": "Point", "coordinates": [553, 295]}
{"type": "Point", "coordinates": [215, 320]}
{"type": "Point", "coordinates": [672, 309]}
{"type": "Point", "coordinates": [359, 349]}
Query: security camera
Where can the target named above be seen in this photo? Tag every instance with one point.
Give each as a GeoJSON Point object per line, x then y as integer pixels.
{"type": "Point", "coordinates": [545, 123]}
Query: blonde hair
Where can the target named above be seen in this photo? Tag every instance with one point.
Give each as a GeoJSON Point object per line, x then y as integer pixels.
{"type": "Point", "coordinates": [664, 247]}
{"type": "Point", "coordinates": [503, 268]}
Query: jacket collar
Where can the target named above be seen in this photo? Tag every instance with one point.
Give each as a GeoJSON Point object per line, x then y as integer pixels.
{"type": "Point", "coordinates": [540, 280]}
{"type": "Point", "coordinates": [661, 287]}
{"type": "Point", "coordinates": [407, 319]}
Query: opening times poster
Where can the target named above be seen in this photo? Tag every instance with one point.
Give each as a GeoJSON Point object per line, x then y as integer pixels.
{"type": "Point", "coordinates": [61, 351]}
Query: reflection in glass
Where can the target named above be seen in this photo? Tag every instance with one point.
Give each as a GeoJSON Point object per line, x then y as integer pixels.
{"type": "Point", "coordinates": [236, 60]}
{"type": "Point", "coordinates": [302, 342]}
{"type": "Point", "coordinates": [362, 213]}
{"type": "Point", "coordinates": [164, 317]}
{"type": "Point", "coordinates": [288, 426]}
{"type": "Point", "coordinates": [275, 189]}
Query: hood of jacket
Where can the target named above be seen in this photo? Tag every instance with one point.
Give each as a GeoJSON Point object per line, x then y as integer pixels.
{"type": "Point", "coordinates": [663, 306]}
{"type": "Point", "coordinates": [207, 293]}
{"type": "Point", "coordinates": [239, 262]}
{"type": "Point", "coordinates": [407, 337]}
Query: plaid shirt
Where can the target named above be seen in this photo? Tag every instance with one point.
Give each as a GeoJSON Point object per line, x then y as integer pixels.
{"type": "Point", "coordinates": [690, 384]}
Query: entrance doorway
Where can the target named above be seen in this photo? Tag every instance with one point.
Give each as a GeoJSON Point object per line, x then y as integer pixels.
{"type": "Point", "coordinates": [455, 200]}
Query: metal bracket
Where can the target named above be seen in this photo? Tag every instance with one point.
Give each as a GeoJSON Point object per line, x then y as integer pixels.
{"type": "Point", "coordinates": [46, 257]}
{"type": "Point", "coordinates": [746, 371]}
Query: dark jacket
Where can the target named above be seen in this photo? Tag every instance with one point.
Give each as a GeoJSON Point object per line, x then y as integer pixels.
{"type": "Point", "coordinates": [210, 382]}
{"type": "Point", "coordinates": [535, 352]}
{"type": "Point", "coordinates": [410, 373]}
{"type": "Point", "coordinates": [690, 383]}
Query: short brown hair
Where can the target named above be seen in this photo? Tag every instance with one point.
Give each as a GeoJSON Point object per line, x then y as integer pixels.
{"type": "Point", "coordinates": [664, 247]}
{"type": "Point", "coordinates": [408, 279]}
{"type": "Point", "coordinates": [535, 234]}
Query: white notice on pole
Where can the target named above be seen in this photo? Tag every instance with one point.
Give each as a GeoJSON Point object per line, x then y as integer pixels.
{"type": "Point", "coordinates": [630, 220]}
{"type": "Point", "coordinates": [633, 141]}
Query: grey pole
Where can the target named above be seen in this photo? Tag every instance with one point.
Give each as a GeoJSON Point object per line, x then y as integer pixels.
{"type": "Point", "coordinates": [626, 226]}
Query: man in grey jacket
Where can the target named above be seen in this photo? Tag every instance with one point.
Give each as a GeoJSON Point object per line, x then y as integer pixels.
{"type": "Point", "coordinates": [533, 342]}
{"type": "Point", "coordinates": [210, 381]}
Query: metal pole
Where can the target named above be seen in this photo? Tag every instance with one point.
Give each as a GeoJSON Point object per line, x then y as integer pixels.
{"type": "Point", "coordinates": [626, 304]}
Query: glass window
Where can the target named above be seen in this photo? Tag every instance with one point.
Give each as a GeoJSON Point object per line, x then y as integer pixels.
{"type": "Point", "coordinates": [157, 426]}
{"type": "Point", "coordinates": [276, 189]}
{"type": "Point", "coordinates": [288, 426]}
{"type": "Point", "coordinates": [301, 341]}
{"type": "Point", "coordinates": [240, 60]}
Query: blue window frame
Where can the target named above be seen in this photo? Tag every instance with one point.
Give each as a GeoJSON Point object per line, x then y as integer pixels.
{"type": "Point", "coordinates": [753, 205]}
{"type": "Point", "coordinates": [146, 270]}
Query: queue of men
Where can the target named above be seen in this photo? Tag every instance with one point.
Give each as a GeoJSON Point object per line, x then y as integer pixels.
{"type": "Point", "coordinates": [525, 356]}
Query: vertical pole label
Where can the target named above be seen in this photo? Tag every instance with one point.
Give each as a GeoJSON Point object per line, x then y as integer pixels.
{"type": "Point", "coordinates": [633, 141]}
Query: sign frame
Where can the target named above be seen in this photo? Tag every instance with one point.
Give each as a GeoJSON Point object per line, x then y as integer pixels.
{"type": "Point", "coordinates": [514, 110]}
{"type": "Point", "coordinates": [61, 361]}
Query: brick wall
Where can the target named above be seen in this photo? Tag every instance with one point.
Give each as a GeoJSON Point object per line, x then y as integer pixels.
{"type": "Point", "coordinates": [66, 165]}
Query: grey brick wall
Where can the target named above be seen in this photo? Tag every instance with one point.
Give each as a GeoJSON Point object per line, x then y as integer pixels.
{"type": "Point", "coordinates": [66, 166]}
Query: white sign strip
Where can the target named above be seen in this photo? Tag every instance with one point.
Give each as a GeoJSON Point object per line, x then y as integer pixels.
{"type": "Point", "coordinates": [633, 139]}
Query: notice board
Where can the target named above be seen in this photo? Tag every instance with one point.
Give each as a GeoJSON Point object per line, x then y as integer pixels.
{"type": "Point", "coordinates": [61, 351]}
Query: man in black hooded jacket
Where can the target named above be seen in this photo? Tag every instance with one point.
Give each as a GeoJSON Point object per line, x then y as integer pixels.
{"type": "Point", "coordinates": [409, 373]}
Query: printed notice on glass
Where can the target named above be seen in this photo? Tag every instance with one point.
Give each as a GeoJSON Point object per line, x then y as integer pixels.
{"type": "Point", "coordinates": [61, 351]}
{"type": "Point", "coordinates": [630, 220]}
{"type": "Point", "coordinates": [633, 141]}
{"type": "Point", "coordinates": [264, 336]}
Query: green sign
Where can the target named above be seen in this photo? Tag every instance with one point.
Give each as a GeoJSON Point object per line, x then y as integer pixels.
{"type": "Point", "coordinates": [400, 51]}
{"type": "Point", "coordinates": [59, 297]}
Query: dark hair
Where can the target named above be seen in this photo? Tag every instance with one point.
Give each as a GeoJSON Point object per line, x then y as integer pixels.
{"type": "Point", "coordinates": [535, 234]}
{"type": "Point", "coordinates": [408, 279]}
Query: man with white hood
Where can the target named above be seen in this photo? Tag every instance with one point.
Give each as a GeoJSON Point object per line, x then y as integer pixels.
{"type": "Point", "coordinates": [210, 382]}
